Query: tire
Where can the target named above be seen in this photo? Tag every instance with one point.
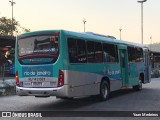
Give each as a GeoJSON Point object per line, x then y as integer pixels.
{"type": "Point", "coordinates": [138, 87]}
{"type": "Point", "coordinates": [104, 91]}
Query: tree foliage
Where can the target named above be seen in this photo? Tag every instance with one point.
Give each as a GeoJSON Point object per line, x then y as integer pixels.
{"type": "Point", "coordinates": [6, 27]}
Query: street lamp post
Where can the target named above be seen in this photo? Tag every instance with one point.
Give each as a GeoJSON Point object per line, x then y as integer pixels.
{"type": "Point", "coordinates": [142, 1]}
{"type": "Point", "coordinates": [120, 32]}
{"type": "Point", "coordinates": [12, 3]}
{"type": "Point", "coordinates": [150, 42]}
{"type": "Point", "coordinates": [84, 21]}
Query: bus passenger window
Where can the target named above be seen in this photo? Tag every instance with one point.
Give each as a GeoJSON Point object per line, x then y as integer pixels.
{"type": "Point", "coordinates": [98, 53]}
{"type": "Point", "coordinates": [90, 52]}
{"type": "Point", "coordinates": [81, 51]}
{"type": "Point", "coordinates": [110, 52]}
{"type": "Point", "coordinates": [135, 54]}
{"type": "Point", "coordinates": [72, 50]}
{"type": "Point", "coordinates": [122, 60]}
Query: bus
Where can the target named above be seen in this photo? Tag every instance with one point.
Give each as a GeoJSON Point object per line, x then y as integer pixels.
{"type": "Point", "coordinates": [155, 64]}
{"type": "Point", "coordinates": [69, 64]}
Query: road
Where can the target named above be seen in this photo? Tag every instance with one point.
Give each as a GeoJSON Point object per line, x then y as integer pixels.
{"type": "Point", "coordinates": [123, 100]}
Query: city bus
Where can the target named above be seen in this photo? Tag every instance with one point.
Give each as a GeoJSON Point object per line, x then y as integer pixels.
{"type": "Point", "coordinates": [69, 64]}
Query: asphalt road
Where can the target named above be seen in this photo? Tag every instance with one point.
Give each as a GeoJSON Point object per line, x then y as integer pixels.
{"type": "Point", "coordinates": [123, 100]}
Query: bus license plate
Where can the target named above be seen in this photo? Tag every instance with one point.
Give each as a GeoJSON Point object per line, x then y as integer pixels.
{"type": "Point", "coordinates": [36, 84]}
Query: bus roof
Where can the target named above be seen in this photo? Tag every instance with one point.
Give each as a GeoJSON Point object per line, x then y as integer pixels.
{"type": "Point", "coordinates": [88, 35]}
{"type": "Point", "coordinates": [111, 39]}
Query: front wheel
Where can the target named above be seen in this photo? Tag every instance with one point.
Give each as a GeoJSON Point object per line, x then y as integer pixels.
{"type": "Point", "coordinates": [104, 90]}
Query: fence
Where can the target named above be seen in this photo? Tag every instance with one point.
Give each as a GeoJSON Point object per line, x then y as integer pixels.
{"type": "Point", "coordinates": [2, 72]}
{"type": "Point", "coordinates": [7, 82]}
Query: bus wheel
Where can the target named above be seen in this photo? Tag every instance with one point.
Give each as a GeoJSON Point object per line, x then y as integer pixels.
{"type": "Point", "coordinates": [138, 87]}
{"type": "Point", "coordinates": [104, 90]}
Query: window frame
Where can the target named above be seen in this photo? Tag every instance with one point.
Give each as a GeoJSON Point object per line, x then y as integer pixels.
{"type": "Point", "coordinates": [115, 49]}
{"type": "Point", "coordinates": [94, 42]}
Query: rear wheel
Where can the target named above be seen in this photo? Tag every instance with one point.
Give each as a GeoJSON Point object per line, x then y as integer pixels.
{"type": "Point", "coordinates": [138, 87]}
{"type": "Point", "coordinates": [104, 90]}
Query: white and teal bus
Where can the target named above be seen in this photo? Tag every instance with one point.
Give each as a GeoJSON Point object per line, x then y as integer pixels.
{"type": "Point", "coordinates": [69, 64]}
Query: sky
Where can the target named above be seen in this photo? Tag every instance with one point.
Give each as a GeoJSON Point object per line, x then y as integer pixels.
{"type": "Point", "coordinates": [102, 16]}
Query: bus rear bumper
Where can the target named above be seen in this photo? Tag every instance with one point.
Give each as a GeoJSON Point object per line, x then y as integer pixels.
{"type": "Point", "coordinates": [40, 92]}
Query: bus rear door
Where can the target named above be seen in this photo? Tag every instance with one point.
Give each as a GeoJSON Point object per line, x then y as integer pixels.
{"type": "Point", "coordinates": [147, 67]}
{"type": "Point", "coordinates": [123, 65]}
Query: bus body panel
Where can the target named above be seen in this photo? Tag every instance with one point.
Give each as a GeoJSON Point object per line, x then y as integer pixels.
{"type": "Point", "coordinates": [89, 75]}
{"type": "Point", "coordinates": [86, 83]}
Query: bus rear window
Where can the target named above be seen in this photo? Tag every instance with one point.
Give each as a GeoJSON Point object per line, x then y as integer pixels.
{"type": "Point", "coordinates": [38, 49]}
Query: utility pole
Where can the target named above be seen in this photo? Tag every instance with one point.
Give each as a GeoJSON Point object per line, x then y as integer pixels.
{"type": "Point", "coordinates": [142, 1]}
{"type": "Point", "coordinates": [150, 42]}
{"type": "Point", "coordinates": [12, 3]}
{"type": "Point", "coordinates": [84, 21]}
{"type": "Point", "coordinates": [120, 32]}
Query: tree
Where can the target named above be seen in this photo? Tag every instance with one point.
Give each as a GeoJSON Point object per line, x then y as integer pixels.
{"type": "Point", "coordinates": [6, 27]}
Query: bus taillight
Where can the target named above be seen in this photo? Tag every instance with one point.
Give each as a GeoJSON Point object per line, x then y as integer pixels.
{"type": "Point", "coordinates": [60, 78]}
{"type": "Point", "coordinates": [17, 78]}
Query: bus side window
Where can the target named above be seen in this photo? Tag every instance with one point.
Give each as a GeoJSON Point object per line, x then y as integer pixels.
{"type": "Point", "coordinates": [110, 52]}
{"type": "Point", "coordinates": [131, 53]}
{"type": "Point", "coordinates": [81, 51]}
{"type": "Point", "coordinates": [135, 54]}
{"type": "Point", "coordinates": [72, 50]}
{"type": "Point", "coordinates": [90, 52]}
{"type": "Point", "coordinates": [98, 53]}
{"type": "Point", "coordinates": [122, 60]}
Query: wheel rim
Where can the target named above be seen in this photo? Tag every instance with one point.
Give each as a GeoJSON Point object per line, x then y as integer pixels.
{"type": "Point", "coordinates": [104, 91]}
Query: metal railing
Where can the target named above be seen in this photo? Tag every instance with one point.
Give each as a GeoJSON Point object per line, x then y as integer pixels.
{"type": "Point", "coordinates": [2, 72]}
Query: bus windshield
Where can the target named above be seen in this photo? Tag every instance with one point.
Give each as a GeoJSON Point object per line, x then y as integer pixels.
{"type": "Point", "coordinates": [39, 49]}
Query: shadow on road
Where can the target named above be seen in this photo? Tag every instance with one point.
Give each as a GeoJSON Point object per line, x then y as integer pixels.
{"type": "Point", "coordinates": [122, 92]}
{"type": "Point", "coordinates": [77, 103]}
{"type": "Point", "coordinates": [67, 104]}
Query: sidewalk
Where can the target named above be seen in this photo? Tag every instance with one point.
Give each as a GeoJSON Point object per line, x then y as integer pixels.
{"type": "Point", "coordinates": [7, 86]}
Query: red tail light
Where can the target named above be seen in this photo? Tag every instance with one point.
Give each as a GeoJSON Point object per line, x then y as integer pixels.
{"type": "Point", "coordinates": [17, 78]}
{"type": "Point", "coordinates": [60, 78]}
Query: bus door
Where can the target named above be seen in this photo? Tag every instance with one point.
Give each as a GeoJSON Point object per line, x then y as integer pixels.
{"type": "Point", "coordinates": [147, 67]}
{"type": "Point", "coordinates": [123, 66]}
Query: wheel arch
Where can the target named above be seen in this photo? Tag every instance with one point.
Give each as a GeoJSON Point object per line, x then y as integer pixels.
{"type": "Point", "coordinates": [105, 78]}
